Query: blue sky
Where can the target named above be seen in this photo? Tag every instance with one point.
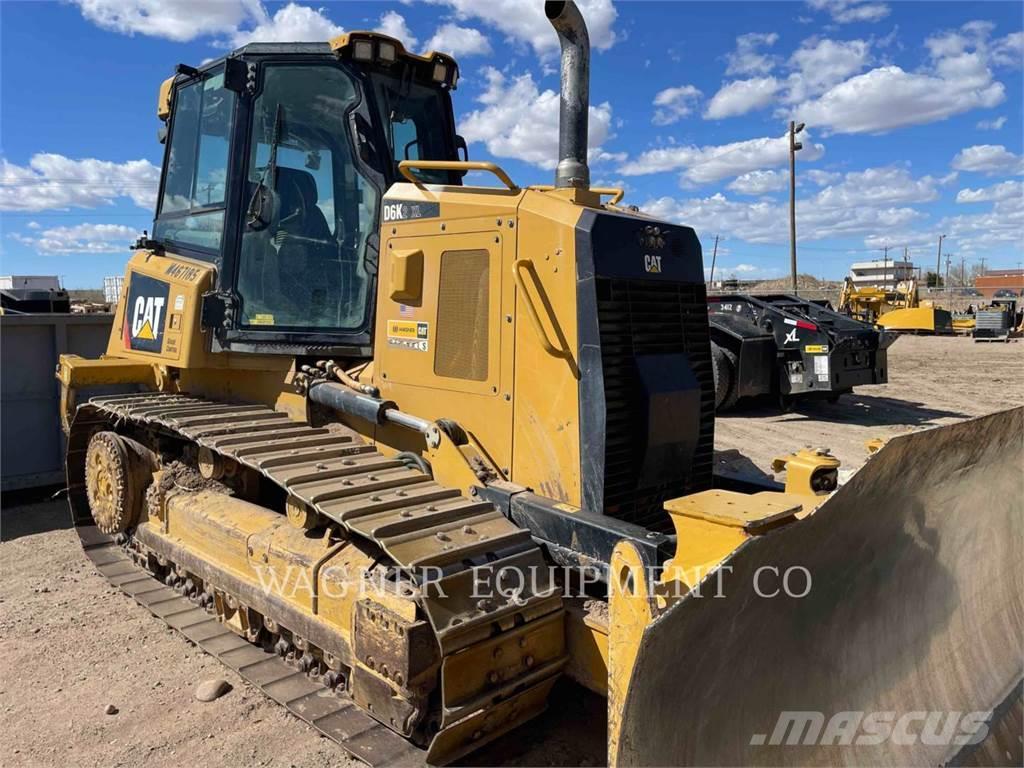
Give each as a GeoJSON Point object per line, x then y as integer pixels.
{"type": "Point", "coordinates": [913, 111]}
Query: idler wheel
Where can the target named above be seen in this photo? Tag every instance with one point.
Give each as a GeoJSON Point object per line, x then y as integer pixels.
{"type": "Point", "coordinates": [117, 472]}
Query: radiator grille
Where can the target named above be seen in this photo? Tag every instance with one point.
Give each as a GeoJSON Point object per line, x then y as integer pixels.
{"type": "Point", "coordinates": [639, 317]}
{"type": "Point", "coordinates": [460, 350]}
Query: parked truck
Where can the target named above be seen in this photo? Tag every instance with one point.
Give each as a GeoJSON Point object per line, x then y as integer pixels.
{"type": "Point", "coordinates": [787, 347]}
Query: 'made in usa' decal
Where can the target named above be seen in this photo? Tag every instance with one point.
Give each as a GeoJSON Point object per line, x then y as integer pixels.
{"type": "Point", "coordinates": [145, 314]}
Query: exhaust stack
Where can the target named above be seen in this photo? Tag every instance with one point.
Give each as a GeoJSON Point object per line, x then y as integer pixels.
{"type": "Point", "coordinates": [568, 22]}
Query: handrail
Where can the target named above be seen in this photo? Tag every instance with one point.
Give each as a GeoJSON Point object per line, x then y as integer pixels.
{"type": "Point", "coordinates": [531, 309]}
{"type": "Point", "coordinates": [406, 166]}
{"type": "Point", "coordinates": [616, 192]}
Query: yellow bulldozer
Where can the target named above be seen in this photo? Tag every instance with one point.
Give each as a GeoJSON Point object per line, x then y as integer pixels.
{"type": "Point", "coordinates": [405, 452]}
{"type": "Point", "coordinates": [896, 308]}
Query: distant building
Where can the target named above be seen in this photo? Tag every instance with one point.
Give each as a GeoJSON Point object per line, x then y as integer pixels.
{"type": "Point", "coordinates": [112, 288]}
{"type": "Point", "coordinates": [993, 280]}
{"type": "Point", "coordinates": [881, 272]}
{"type": "Point", "coordinates": [29, 282]}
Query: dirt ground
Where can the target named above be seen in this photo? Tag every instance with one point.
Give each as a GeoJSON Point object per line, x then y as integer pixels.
{"type": "Point", "coordinates": [932, 381]}
{"type": "Point", "coordinates": [70, 645]}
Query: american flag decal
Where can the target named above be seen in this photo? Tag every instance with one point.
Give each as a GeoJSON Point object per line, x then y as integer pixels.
{"type": "Point", "coordinates": [405, 310]}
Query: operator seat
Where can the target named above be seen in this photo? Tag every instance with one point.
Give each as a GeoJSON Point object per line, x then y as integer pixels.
{"type": "Point", "coordinates": [307, 258]}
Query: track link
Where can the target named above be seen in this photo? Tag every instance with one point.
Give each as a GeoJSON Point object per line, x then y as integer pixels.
{"type": "Point", "coordinates": [421, 525]}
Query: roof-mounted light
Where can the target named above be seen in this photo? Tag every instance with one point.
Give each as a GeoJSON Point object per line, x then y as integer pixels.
{"type": "Point", "coordinates": [387, 52]}
{"type": "Point", "coordinates": [384, 51]}
{"type": "Point", "coordinates": [362, 50]}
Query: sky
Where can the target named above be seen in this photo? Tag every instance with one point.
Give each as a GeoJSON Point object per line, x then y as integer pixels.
{"type": "Point", "coordinates": [914, 115]}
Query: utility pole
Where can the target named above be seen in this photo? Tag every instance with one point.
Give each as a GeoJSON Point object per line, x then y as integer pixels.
{"type": "Point", "coordinates": [938, 261]}
{"type": "Point", "coordinates": [885, 269]}
{"type": "Point", "coordinates": [714, 255]}
{"type": "Point", "coordinates": [794, 147]}
{"type": "Point", "coordinates": [948, 260]}
{"type": "Point", "coordinates": [982, 273]}
{"type": "Point", "coordinates": [963, 271]}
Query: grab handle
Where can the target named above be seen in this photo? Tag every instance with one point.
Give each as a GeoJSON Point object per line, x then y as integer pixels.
{"type": "Point", "coordinates": [531, 309]}
{"type": "Point", "coordinates": [406, 168]}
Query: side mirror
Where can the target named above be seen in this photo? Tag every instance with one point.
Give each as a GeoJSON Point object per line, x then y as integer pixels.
{"type": "Point", "coordinates": [236, 75]}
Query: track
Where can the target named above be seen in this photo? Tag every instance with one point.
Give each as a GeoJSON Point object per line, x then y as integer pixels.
{"type": "Point", "coordinates": [417, 522]}
{"type": "Point", "coordinates": [333, 714]}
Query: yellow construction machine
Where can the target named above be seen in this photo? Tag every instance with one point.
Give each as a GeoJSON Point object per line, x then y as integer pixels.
{"type": "Point", "coordinates": [897, 308]}
{"type": "Point", "coordinates": [405, 453]}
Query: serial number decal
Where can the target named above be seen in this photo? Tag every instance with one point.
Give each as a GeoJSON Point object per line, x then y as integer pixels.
{"type": "Point", "coordinates": [409, 334]}
{"type": "Point", "coordinates": [405, 210]}
{"type": "Point", "coordinates": [821, 367]}
{"type": "Point", "coordinates": [183, 272]}
{"type": "Point", "coordinates": [816, 349]}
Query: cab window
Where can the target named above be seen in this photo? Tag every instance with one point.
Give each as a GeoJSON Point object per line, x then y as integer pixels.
{"type": "Point", "coordinates": [191, 210]}
{"type": "Point", "coordinates": [417, 122]}
{"type": "Point", "coordinates": [307, 210]}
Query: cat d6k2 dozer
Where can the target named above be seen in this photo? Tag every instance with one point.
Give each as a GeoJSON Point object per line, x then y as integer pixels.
{"type": "Point", "coordinates": [404, 452]}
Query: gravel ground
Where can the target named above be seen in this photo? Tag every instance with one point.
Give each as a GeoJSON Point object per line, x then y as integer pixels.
{"type": "Point", "coordinates": [933, 381]}
{"type": "Point", "coordinates": [70, 645]}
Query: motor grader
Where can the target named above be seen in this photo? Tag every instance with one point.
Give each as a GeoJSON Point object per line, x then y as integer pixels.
{"type": "Point", "coordinates": [405, 452]}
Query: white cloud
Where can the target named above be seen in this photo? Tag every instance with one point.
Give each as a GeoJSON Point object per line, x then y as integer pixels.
{"type": "Point", "coordinates": [767, 222]}
{"type": "Point", "coordinates": [759, 182]}
{"type": "Point", "coordinates": [712, 163]}
{"type": "Point", "coordinates": [889, 185]}
{"type": "Point", "coordinates": [459, 41]}
{"type": "Point", "coordinates": [996, 124]}
{"type": "Point", "coordinates": [742, 96]}
{"type": "Point", "coordinates": [236, 22]}
{"type": "Point", "coordinates": [1001, 227]}
{"type": "Point", "coordinates": [887, 98]}
{"type": "Point", "coordinates": [815, 67]}
{"type": "Point", "coordinates": [957, 79]}
{"type": "Point", "coordinates": [820, 178]}
{"type": "Point", "coordinates": [520, 121]}
{"type": "Point", "coordinates": [178, 21]}
{"type": "Point", "coordinates": [292, 23]}
{"type": "Point", "coordinates": [747, 59]}
{"type": "Point", "coordinates": [818, 64]}
{"type": "Point", "coordinates": [393, 25]}
{"type": "Point", "coordinates": [1009, 51]}
{"type": "Point", "coordinates": [81, 238]}
{"type": "Point", "coordinates": [989, 159]}
{"type": "Point", "coordinates": [54, 181]}
{"type": "Point", "coordinates": [1005, 190]}
{"type": "Point", "coordinates": [674, 104]}
{"type": "Point", "coordinates": [851, 11]}
{"type": "Point", "coordinates": [525, 21]}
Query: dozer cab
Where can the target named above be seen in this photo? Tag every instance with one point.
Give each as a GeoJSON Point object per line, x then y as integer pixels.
{"type": "Point", "coordinates": [404, 452]}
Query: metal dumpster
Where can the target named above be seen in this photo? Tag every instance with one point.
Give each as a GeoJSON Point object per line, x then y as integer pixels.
{"type": "Point", "coordinates": [31, 440]}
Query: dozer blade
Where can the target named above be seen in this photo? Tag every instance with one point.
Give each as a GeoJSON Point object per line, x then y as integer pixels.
{"type": "Point", "coordinates": [907, 650]}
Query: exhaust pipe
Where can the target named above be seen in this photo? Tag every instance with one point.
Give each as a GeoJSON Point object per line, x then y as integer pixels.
{"type": "Point", "coordinates": [568, 22]}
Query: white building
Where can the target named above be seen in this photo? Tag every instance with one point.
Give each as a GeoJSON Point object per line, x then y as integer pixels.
{"type": "Point", "coordinates": [112, 288]}
{"type": "Point", "coordinates": [882, 272]}
{"type": "Point", "coordinates": [30, 282]}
